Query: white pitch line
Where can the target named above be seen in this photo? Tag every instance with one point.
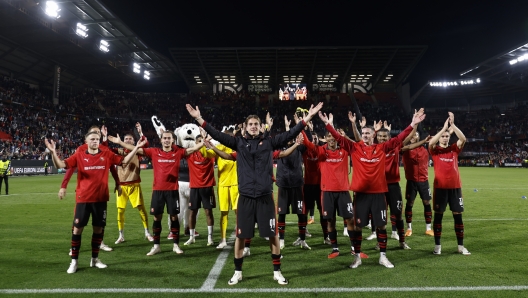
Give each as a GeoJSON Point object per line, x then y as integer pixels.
{"type": "Point", "coordinates": [214, 274]}
{"type": "Point", "coordinates": [265, 290]}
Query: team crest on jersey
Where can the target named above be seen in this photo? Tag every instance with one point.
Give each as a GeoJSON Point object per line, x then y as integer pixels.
{"type": "Point", "coordinates": [340, 153]}
{"type": "Point", "coordinates": [102, 158]}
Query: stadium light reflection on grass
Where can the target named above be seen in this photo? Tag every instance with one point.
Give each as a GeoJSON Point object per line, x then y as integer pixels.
{"type": "Point", "coordinates": [104, 46]}
{"type": "Point", "coordinates": [81, 30]}
{"type": "Point", "coordinates": [454, 83]}
{"type": "Point", "coordinates": [52, 9]}
{"type": "Point", "coordinates": [136, 68]}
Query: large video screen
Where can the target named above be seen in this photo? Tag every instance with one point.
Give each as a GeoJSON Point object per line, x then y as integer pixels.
{"type": "Point", "coordinates": [293, 92]}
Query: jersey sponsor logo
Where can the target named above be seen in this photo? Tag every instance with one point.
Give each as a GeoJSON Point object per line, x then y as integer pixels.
{"type": "Point", "coordinates": [334, 160]}
{"type": "Point", "coordinates": [390, 154]}
{"type": "Point", "coordinates": [94, 168]}
{"type": "Point", "coordinates": [447, 159]}
{"type": "Point", "coordinates": [200, 162]}
{"type": "Point", "coordinates": [86, 159]}
{"type": "Point", "coordinates": [369, 160]}
{"type": "Point", "coordinates": [166, 160]}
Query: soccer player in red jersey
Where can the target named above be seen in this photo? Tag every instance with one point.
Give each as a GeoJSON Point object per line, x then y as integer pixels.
{"type": "Point", "coordinates": [165, 162]}
{"type": "Point", "coordinates": [447, 185]}
{"type": "Point", "coordinates": [369, 182]}
{"type": "Point", "coordinates": [415, 159]}
{"type": "Point", "coordinates": [254, 166]}
{"type": "Point", "coordinates": [392, 174]}
{"type": "Point", "coordinates": [91, 192]}
{"type": "Point", "coordinates": [70, 171]}
{"type": "Point", "coordinates": [201, 172]}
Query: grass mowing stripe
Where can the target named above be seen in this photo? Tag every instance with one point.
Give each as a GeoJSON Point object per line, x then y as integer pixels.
{"type": "Point", "coordinates": [215, 272]}
{"type": "Point", "coordinates": [268, 290]}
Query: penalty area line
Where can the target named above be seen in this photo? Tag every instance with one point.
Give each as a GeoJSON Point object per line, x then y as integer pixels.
{"type": "Point", "coordinates": [265, 290]}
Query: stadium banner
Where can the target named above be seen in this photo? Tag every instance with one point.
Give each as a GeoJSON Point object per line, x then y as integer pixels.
{"type": "Point", "coordinates": [31, 167]}
{"type": "Point", "coordinates": [259, 88]}
{"type": "Point", "coordinates": [512, 164]}
{"type": "Point", "coordinates": [482, 164]}
{"type": "Point", "coordinates": [321, 87]}
{"type": "Point", "coordinates": [293, 91]}
{"type": "Point", "coordinates": [56, 84]}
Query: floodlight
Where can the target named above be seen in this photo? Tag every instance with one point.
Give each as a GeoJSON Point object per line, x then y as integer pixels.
{"type": "Point", "coordinates": [137, 68]}
{"type": "Point", "coordinates": [512, 62]}
{"type": "Point", "coordinates": [81, 30]}
{"type": "Point", "coordinates": [104, 46]}
{"type": "Point", "coordinates": [146, 75]}
{"type": "Point", "coordinates": [52, 9]}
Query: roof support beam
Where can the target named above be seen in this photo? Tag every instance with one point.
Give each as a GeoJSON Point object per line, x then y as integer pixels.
{"type": "Point", "coordinates": [410, 68]}
{"type": "Point", "coordinates": [242, 80]}
{"type": "Point", "coordinates": [11, 50]}
{"type": "Point", "coordinates": [343, 80]}
{"type": "Point", "coordinates": [415, 96]}
{"type": "Point", "coordinates": [313, 66]}
{"type": "Point", "coordinates": [380, 75]}
{"type": "Point", "coordinates": [204, 70]}
{"type": "Point", "coordinates": [27, 69]}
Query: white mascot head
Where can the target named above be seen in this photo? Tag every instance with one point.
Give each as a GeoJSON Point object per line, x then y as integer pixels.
{"type": "Point", "coordinates": [185, 135]}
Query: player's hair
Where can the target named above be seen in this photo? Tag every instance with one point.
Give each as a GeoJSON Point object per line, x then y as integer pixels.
{"type": "Point", "coordinates": [94, 127]}
{"type": "Point", "coordinates": [370, 127]}
{"type": "Point", "coordinates": [92, 133]}
{"type": "Point", "coordinates": [129, 134]}
{"type": "Point", "coordinates": [252, 117]}
{"type": "Point", "coordinates": [171, 132]}
{"type": "Point", "coordinates": [384, 130]}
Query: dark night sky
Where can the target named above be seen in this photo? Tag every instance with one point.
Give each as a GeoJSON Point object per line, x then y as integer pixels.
{"type": "Point", "coordinates": [458, 34]}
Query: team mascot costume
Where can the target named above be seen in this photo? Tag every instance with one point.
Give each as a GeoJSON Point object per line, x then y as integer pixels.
{"type": "Point", "coordinates": [185, 138]}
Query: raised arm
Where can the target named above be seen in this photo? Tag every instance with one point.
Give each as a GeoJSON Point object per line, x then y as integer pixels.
{"type": "Point", "coordinates": [59, 164]}
{"type": "Point", "coordinates": [398, 140]}
{"type": "Point", "coordinates": [415, 145]}
{"type": "Point", "coordinates": [131, 154]}
{"type": "Point", "coordinates": [195, 148]}
{"type": "Point", "coordinates": [347, 144]}
{"type": "Point", "coordinates": [221, 137]}
{"type": "Point", "coordinates": [217, 151]}
{"type": "Point", "coordinates": [436, 137]}
{"type": "Point", "coordinates": [461, 137]}
{"type": "Point", "coordinates": [117, 140]}
{"type": "Point", "coordinates": [352, 118]}
{"type": "Point", "coordinates": [281, 139]}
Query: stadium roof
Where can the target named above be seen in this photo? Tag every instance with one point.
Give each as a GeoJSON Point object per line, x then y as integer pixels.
{"type": "Point", "coordinates": [279, 64]}
{"type": "Point", "coordinates": [501, 78]}
{"type": "Point", "coordinates": [31, 43]}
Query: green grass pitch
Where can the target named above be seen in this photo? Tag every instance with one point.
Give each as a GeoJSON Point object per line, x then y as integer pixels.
{"type": "Point", "coordinates": [35, 235]}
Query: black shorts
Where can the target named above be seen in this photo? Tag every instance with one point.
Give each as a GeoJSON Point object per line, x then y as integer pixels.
{"type": "Point", "coordinates": [290, 196]}
{"type": "Point", "coordinates": [83, 211]}
{"type": "Point", "coordinates": [202, 196]}
{"type": "Point", "coordinates": [337, 200]}
{"type": "Point", "coordinates": [365, 203]}
{"type": "Point", "coordinates": [443, 196]}
{"type": "Point", "coordinates": [260, 210]}
{"type": "Point", "coordinates": [412, 188]}
{"type": "Point", "coordinates": [312, 196]}
{"type": "Point", "coordinates": [394, 198]}
{"type": "Point", "coordinates": [160, 198]}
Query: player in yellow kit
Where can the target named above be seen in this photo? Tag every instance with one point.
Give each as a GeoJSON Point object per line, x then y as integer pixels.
{"type": "Point", "coordinates": [227, 186]}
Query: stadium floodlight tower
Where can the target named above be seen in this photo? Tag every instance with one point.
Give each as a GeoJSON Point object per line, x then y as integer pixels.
{"type": "Point", "coordinates": [52, 9]}
{"type": "Point", "coordinates": [146, 75]}
{"type": "Point", "coordinates": [136, 68]}
{"type": "Point", "coordinates": [104, 46]}
{"type": "Point", "coordinates": [81, 30]}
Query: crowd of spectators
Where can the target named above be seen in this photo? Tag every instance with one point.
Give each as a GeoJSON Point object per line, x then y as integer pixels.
{"type": "Point", "coordinates": [27, 116]}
